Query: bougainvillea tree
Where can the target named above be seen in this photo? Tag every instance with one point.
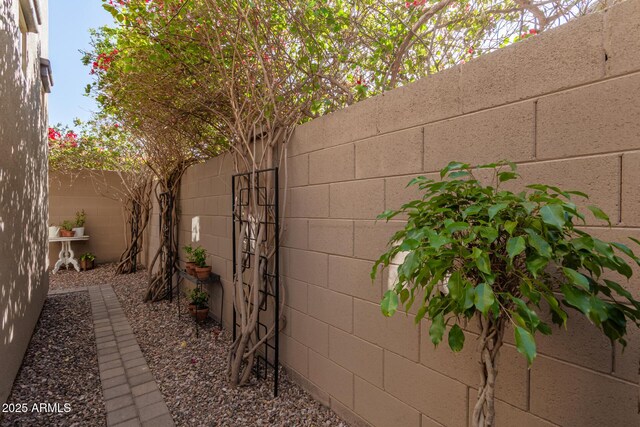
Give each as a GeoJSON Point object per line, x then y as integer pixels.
{"type": "Point", "coordinates": [104, 146]}
{"type": "Point", "coordinates": [140, 84]}
{"type": "Point", "coordinates": [476, 252]}
{"type": "Point", "coordinates": [194, 78]}
{"type": "Point", "coordinates": [275, 66]}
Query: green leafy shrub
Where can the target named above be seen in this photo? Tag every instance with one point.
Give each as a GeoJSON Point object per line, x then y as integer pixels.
{"type": "Point", "coordinates": [475, 251]}
{"type": "Point", "coordinates": [81, 218]}
{"type": "Point", "coordinates": [199, 298]}
{"type": "Point", "coordinates": [67, 225]}
{"type": "Point", "coordinates": [200, 256]}
{"type": "Point", "coordinates": [188, 250]}
{"type": "Point", "coordinates": [87, 257]}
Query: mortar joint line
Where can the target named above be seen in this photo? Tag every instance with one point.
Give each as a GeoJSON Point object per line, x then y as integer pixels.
{"type": "Point", "coordinates": [355, 160]}
{"type": "Point", "coordinates": [424, 149]}
{"type": "Point", "coordinates": [467, 406]}
{"type": "Point", "coordinates": [383, 365]}
{"type": "Point", "coordinates": [528, 390]}
{"type": "Point", "coordinates": [535, 129]}
{"type": "Point", "coordinates": [620, 182]}
{"type": "Point", "coordinates": [613, 358]}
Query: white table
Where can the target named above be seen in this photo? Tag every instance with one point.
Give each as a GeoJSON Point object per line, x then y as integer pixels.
{"type": "Point", "coordinates": [66, 255]}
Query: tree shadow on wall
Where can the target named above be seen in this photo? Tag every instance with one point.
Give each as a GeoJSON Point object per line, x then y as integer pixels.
{"type": "Point", "coordinates": [23, 198]}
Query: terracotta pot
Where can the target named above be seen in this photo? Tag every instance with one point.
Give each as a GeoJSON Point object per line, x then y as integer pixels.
{"type": "Point", "coordinates": [67, 233]}
{"type": "Point", "coordinates": [86, 264]}
{"type": "Point", "coordinates": [202, 313]}
{"type": "Point", "coordinates": [191, 268]}
{"type": "Point", "coordinates": [203, 273]}
{"type": "Point", "coordinates": [192, 309]}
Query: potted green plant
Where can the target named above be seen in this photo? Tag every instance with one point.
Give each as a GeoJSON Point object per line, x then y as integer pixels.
{"type": "Point", "coordinates": [198, 306]}
{"type": "Point", "coordinates": [81, 218]}
{"type": "Point", "coordinates": [190, 265]}
{"type": "Point", "coordinates": [86, 261]}
{"type": "Point", "coordinates": [498, 258]}
{"type": "Point", "coordinates": [203, 271]}
{"type": "Point", "coordinates": [66, 229]}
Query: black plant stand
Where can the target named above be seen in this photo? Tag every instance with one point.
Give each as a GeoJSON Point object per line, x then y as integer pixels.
{"type": "Point", "coordinates": [213, 279]}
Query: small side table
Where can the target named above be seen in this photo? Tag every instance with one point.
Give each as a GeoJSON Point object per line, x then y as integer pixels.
{"type": "Point", "coordinates": [66, 255]}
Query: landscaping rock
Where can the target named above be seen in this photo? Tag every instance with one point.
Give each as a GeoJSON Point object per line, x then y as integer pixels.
{"type": "Point", "coordinates": [60, 367]}
{"type": "Point", "coordinates": [190, 369]}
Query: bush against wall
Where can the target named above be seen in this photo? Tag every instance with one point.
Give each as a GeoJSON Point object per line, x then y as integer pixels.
{"type": "Point", "coordinates": [478, 252]}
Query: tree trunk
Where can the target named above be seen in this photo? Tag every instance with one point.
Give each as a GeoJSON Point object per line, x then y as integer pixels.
{"type": "Point", "coordinates": [161, 282]}
{"type": "Point", "coordinates": [138, 220]}
{"type": "Point", "coordinates": [489, 346]}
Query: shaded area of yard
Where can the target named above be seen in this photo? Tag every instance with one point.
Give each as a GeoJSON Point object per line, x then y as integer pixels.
{"type": "Point", "coordinates": [60, 367]}
{"type": "Point", "coordinates": [190, 371]}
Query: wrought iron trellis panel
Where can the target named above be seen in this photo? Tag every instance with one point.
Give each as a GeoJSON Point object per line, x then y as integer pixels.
{"type": "Point", "coordinates": [243, 185]}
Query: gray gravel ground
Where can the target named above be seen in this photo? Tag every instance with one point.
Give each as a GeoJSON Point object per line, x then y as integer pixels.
{"type": "Point", "coordinates": [60, 366]}
{"type": "Point", "coordinates": [70, 279]}
{"type": "Point", "coordinates": [191, 371]}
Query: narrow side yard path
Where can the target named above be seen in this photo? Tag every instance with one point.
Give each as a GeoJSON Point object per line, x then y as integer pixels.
{"type": "Point", "coordinates": [60, 367]}
{"type": "Point", "coordinates": [131, 395]}
{"type": "Point", "coordinates": [189, 370]}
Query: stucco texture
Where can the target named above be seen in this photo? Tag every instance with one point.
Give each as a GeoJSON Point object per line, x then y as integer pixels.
{"type": "Point", "coordinates": [23, 192]}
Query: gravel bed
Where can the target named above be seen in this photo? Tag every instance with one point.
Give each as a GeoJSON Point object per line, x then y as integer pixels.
{"type": "Point", "coordinates": [190, 371]}
{"type": "Point", "coordinates": [60, 367]}
{"type": "Point", "coordinates": [70, 279]}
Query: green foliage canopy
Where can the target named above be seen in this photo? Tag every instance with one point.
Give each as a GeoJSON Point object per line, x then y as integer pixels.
{"type": "Point", "coordinates": [475, 249]}
{"type": "Point", "coordinates": [100, 145]}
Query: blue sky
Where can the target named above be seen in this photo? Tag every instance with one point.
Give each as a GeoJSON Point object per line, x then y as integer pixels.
{"type": "Point", "coordinates": [69, 23]}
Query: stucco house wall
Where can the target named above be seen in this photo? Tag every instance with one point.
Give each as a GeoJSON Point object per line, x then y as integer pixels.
{"type": "Point", "coordinates": [23, 186]}
{"type": "Point", "coordinates": [565, 106]}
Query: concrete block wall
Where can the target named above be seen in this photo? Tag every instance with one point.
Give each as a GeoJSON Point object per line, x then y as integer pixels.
{"type": "Point", "coordinates": [565, 106]}
{"type": "Point", "coordinates": [205, 220]}
{"type": "Point", "coordinates": [105, 219]}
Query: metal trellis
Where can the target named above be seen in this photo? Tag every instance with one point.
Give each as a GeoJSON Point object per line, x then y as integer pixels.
{"type": "Point", "coordinates": [263, 185]}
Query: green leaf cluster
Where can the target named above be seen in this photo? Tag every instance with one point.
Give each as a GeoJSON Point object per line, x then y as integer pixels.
{"type": "Point", "coordinates": [475, 249]}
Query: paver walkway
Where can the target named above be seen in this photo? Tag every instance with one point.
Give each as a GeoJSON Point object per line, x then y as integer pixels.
{"type": "Point", "coordinates": [132, 397]}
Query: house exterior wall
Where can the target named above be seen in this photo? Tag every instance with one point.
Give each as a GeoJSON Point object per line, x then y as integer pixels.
{"type": "Point", "coordinates": [565, 106]}
{"type": "Point", "coordinates": [23, 189]}
{"type": "Point", "coordinates": [97, 194]}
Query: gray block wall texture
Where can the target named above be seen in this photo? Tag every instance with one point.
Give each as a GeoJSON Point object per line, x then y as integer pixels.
{"type": "Point", "coordinates": [93, 192]}
{"type": "Point", "coordinates": [23, 190]}
{"type": "Point", "coordinates": [565, 106]}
